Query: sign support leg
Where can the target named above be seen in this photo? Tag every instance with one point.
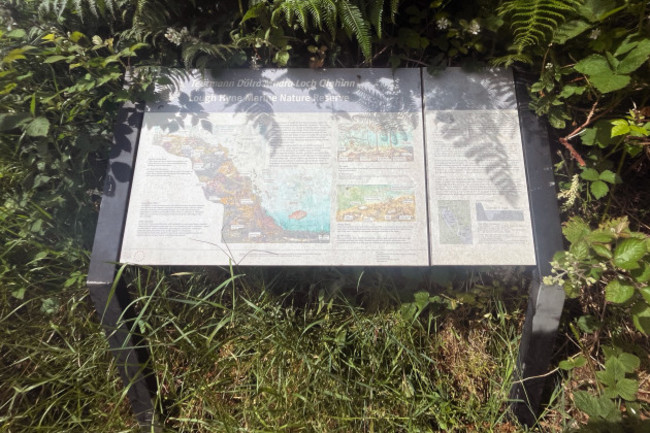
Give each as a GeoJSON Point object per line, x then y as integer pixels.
{"type": "Point", "coordinates": [109, 296]}
{"type": "Point", "coordinates": [545, 303]}
{"type": "Point", "coordinates": [131, 358]}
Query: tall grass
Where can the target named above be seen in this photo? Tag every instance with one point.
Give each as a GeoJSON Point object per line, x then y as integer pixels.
{"type": "Point", "coordinates": [259, 353]}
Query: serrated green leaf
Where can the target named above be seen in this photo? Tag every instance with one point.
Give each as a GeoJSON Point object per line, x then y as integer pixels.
{"type": "Point", "coordinates": [38, 127]}
{"type": "Point", "coordinates": [590, 174]}
{"type": "Point", "coordinates": [635, 58]}
{"type": "Point", "coordinates": [628, 44]}
{"type": "Point", "coordinates": [571, 89]}
{"type": "Point", "coordinates": [602, 251]}
{"type": "Point", "coordinates": [608, 176]}
{"type": "Point", "coordinates": [629, 361]}
{"type": "Point", "coordinates": [599, 134]}
{"type": "Point", "coordinates": [620, 128]}
{"type": "Point", "coordinates": [597, 407]}
{"type": "Point", "coordinates": [593, 65]}
{"type": "Point", "coordinates": [575, 229]}
{"type": "Point", "coordinates": [599, 189]}
{"type": "Point", "coordinates": [618, 292]}
{"type": "Point", "coordinates": [421, 299]}
{"type": "Point", "coordinates": [601, 235]}
{"type": "Point", "coordinates": [600, 74]}
{"type": "Point", "coordinates": [628, 252]}
{"type": "Point", "coordinates": [609, 82]}
{"type": "Point", "coordinates": [580, 250]}
{"type": "Point", "coordinates": [627, 389]}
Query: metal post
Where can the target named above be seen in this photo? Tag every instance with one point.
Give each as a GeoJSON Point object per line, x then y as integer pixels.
{"type": "Point", "coordinates": [545, 303]}
{"type": "Point", "coordinates": [109, 296]}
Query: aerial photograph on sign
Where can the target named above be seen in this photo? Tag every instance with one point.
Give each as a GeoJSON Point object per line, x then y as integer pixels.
{"type": "Point", "coordinates": [376, 137]}
{"type": "Point", "coordinates": [375, 203]}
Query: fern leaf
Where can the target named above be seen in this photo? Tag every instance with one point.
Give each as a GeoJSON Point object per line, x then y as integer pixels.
{"type": "Point", "coordinates": [394, 6]}
{"type": "Point", "coordinates": [314, 11]}
{"type": "Point", "coordinates": [354, 24]}
{"type": "Point", "coordinates": [534, 20]}
{"type": "Point", "coordinates": [329, 10]}
{"type": "Point", "coordinates": [376, 15]}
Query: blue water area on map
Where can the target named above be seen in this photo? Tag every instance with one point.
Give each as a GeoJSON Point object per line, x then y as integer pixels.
{"type": "Point", "coordinates": [309, 211]}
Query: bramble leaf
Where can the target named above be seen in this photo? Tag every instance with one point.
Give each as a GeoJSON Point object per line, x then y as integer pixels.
{"type": "Point", "coordinates": [599, 189]}
{"type": "Point", "coordinates": [629, 252]}
{"type": "Point", "coordinates": [590, 174]}
{"type": "Point", "coordinates": [618, 292]}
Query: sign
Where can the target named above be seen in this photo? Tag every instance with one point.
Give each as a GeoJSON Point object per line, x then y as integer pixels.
{"type": "Point", "coordinates": [336, 167]}
{"type": "Point", "coordinates": [339, 167]}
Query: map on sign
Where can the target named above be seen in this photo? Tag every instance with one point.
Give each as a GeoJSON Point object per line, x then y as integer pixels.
{"type": "Point", "coordinates": [288, 205]}
{"type": "Point", "coordinates": [282, 167]}
{"type": "Point", "coordinates": [340, 167]}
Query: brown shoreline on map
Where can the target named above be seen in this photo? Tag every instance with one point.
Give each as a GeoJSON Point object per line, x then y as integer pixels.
{"type": "Point", "coordinates": [244, 218]}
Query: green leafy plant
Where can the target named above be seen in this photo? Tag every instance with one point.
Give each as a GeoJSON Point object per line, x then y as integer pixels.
{"type": "Point", "coordinates": [279, 22]}
{"type": "Point", "coordinates": [614, 407]}
{"type": "Point", "coordinates": [611, 258]}
{"type": "Point", "coordinates": [533, 23]}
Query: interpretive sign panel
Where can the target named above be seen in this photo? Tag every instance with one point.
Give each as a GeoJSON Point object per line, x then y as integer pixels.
{"type": "Point", "coordinates": [282, 167]}
{"type": "Point", "coordinates": [304, 167]}
{"type": "Point", "coordinates": [478, 196]}
{"type": "Point", "coordinates": [330, 167]}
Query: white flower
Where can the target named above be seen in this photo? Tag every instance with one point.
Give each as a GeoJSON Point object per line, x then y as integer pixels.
{"type": "Point", "coordinates": [474, 27]}
{"type": "Point", "coordinates": [176, 37]}
{"type": "Point", "coordinates": [443, 23]}
{"type": "Point", "coordinates": [594, 34]}
{"type": "Point", "coordinates": [548, 66]}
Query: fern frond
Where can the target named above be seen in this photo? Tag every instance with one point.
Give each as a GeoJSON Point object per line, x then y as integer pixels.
{"type": "Point", "coordinates": [203, 52]}
{"type": "Point", "coordinates": [394, 6]}
{"type": "Point", "coordinates": [533, 21]}
{"type": "Point", "coordinates": [96, 8]}
{"type": "Point", "coordinates": [376, 15]}
{"type": "Point", "coordinates": [510, 59]}
{"type": "Point", "coordinates": [328, 11]}
{"type": "Point", "coordinates": [354, 24]}
{"type": "Point", "coordinates": [291, 9]}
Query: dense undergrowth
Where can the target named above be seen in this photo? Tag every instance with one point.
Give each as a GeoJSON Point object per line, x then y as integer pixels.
{"type": "Point", "coordinates": [326, 350]}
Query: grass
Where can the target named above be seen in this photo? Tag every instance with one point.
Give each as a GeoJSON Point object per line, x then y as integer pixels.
{"type": "Point", "coordinates": [260, 353]}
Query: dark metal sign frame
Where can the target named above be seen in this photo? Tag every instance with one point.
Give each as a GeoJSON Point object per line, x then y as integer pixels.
{"type": "Point", "coordinates": [108, 291]}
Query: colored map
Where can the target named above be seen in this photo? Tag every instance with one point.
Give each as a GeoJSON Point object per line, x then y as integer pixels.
{"type": "Point", "coordinates": [372, 138]}
{"type": "Point", "coordinates": [375, 203]}
{"type": "Point", "coordinates": [260, 205]}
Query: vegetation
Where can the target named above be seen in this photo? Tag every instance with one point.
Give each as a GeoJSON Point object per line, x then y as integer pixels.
{"type": "Point", "coordinates": [330, 349]}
